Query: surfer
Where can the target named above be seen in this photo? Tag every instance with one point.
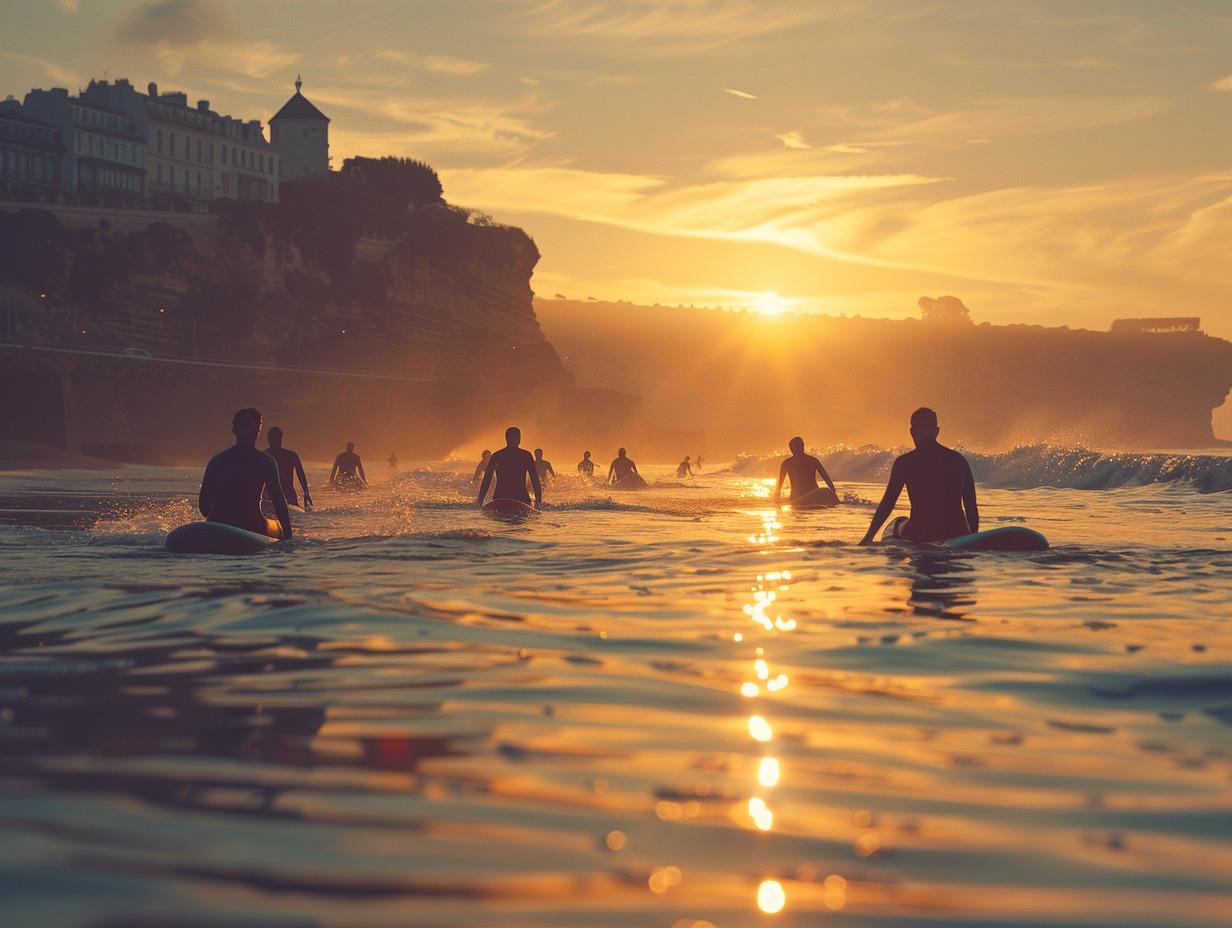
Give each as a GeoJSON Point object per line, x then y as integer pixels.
{"type": "Point", "coordinates": [512, 466]}
{"type": "Point", "coordinates": [683, 469]}
{"type": "Point", "coordinates": [234, 478]}
{"type": "Point", "coordinates": [392, 461]}
{"type": "Point", "coordinates": [343, 475]}
{"type": "Point", "coordinates": [620, 468]}
{"type": "Point", "coordinates": [802, 469]}
{"type": "Point", "coordinates": [939, 484]}
{"type": "Point", "coordinates": [481, 467]}
{"type": "Point", "coordinates": [586, 467]}
{"type": "Point", "coordinates": [289, 467]}
{"type": "Point", "coordinates": [544, 467]}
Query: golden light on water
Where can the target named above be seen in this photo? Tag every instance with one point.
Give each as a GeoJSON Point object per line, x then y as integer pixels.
{"type": "Point", "coordinates": [768, 772]}
{"type": "Point", "coordinates": [770, 897]}
{"type": "Point", "coordinates": [750, 689]}
{"type": "Point", "coordinates": [664, 878]}
{"type": "Point", "coordinates": [616, 840]}
{"type": "Point", "coordinates": [760, 729]}
{"type": "Point", "coordinates": [834, 892]}
{"type": "Point", "coordinates": [762, 817]}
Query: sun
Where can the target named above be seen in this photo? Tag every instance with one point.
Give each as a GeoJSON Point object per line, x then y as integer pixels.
{"type": "Point", "coordinates": [770, 304]}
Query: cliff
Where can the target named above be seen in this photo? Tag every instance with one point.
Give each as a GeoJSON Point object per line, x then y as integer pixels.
{"type": "Point", "coordinates": [750, 382]}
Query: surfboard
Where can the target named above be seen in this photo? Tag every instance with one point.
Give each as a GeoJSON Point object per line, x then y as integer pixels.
{"type": "Point", "coordinates": [508, 509]}
{"type": "Point", "coordinates": [215, 538]}
{"type": "Point", "coordinates": [630, 482]}
{"type": "Point", "coordinates": [1002, 538]}
{"type": "Point", "coordinates": [820, 498]}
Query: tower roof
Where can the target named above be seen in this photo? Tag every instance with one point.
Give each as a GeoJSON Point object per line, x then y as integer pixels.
{"type": "Point", "coordinates": [298, 107]}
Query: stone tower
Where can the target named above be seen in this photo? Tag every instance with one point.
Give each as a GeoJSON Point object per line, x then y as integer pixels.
{"type": "Point", "coordinates": [299, 133]}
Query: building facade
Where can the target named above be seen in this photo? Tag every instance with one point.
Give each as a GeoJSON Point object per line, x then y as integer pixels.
{"type": "Point", "coordinates": [30, 156]}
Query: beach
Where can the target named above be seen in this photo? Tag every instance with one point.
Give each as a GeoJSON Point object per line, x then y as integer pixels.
{"type": "Point", "coordinates": [676, 707]}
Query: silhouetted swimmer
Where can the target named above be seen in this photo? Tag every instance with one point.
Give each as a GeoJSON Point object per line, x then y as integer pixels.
{"type": "Point", "coordinates": [481, 467]}
{"type": "Point", "coordinates": [511, 465]}
{"type": "Point", "coordinates": [348, 471]}
{"type": "Point", "coordinates": [620, 468]}
{"type": "Point", "coordinates": [586, 467]}
{"type": "Point", "coordinates": [233, 481]}
{"type": "Point", "coordinates": [802, 470]}
{"type": "Point", "coordinates": [683, 469]}
{"type": "Point", "coordinates": [544, 467]}
{"type": "Point", "coordinates": [939, 484]}
{"type": "Point", "coordinates": [289, 466]}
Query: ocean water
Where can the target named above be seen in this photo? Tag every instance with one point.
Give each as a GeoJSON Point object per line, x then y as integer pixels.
{"type": "Point", "coordinates": [673, 708]}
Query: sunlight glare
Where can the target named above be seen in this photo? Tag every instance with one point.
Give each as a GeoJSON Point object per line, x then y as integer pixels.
{"type": "Point", "coordinates": [770, 304]}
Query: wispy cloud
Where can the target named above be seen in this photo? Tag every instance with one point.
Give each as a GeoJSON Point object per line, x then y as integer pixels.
{"type": "Point", "coordinates": [60, 76]}
{"type": "Point", "coordinates": [438, 64]}
{"type": "Point", "coordinates": [177, 23]}
{"type": "Point", "coordinates": [1224, 83]}
{"type": "Point", "coordinates": [793, 140]}
{"type": "Point", "coordinates": [675, 27]}
{"type": "Point", "coordinates": [739, 93]}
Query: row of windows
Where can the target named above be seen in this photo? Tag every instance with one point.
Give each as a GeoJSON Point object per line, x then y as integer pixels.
{"type": "Point", "coordinates": [109, 148]}
{"type": "Point", "coordinates": [91, 117]}
{"type": "Point", "coordinates": [22, 166]}
{"type": "Point", "coordinates": [241, 157]}
{"type": "Point", "coordinates": [27, 132]}
{"type": "Point", "coordinates": [93, 177]}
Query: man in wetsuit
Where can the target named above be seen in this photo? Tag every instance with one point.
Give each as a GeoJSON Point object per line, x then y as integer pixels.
{"type": "Point", "coordinates": [586, 467]}
{"type": "Point", "coordinates": [234, 478]}
{"type": "Point", "coordinates": [939, 485]}
{"type": "Point", "coordinates": [343, 475]}
{"type": "Point", "coordinates": [620, 468]}
{"type": "Point", "coordinates": [544, 467]}
{"type": "Point", "coordinates": [801, 468]}
{"type": "Point", "coordinates": [683, 469]}
{"type": "Point", "coordinates": [289, 465]}
{"type": "Point", "coordinates": [481, 467]}
{"type": "Point", "coordinates": [512, 465]}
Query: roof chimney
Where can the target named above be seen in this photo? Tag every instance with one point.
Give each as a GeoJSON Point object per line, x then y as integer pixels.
{"type": "Point", "coordinates": [152, 90]}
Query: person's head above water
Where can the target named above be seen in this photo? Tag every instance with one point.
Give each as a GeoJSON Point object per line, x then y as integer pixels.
{"type": "Point", "coordinates": [246, 423]}
{"type": "Point", "coordinates": [513, 436]}
{"type": "Point", "coordinates": [586, 455]}
{"type": "Point", "coordinates": [350, 446]}
{"type": "Point", "coordinates": [924, 426]}
{"type": "Point", "coordinates": [275, 436]}
{"type": "Point", "coordinates": [486, 454]}
{"type": "Point", "coordinates": [620, 453]}
{"type": "Point", "coordinates": [538, 452]}
{"type": "Point", "coordinates": [796, 445]}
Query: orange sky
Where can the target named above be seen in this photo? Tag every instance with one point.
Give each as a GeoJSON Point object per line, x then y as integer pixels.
{"type": "Point", "coordinates": [1046, 162]}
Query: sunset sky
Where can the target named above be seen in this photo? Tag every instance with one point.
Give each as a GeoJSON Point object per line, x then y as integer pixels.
{"type": "Point", "coordinates": [1046, 162]}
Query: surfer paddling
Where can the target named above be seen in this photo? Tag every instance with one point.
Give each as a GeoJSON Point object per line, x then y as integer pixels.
{"type": "Point", "coordinates": [802, 469]}
{"type": "Point", "coordinates": [234, 478]}
{"type": "Point", "coordinates": [511, 466]}
{"type": "Point", "coordinates": [939, 484]}
{"type": "Point", "coordinates": [289, 466]}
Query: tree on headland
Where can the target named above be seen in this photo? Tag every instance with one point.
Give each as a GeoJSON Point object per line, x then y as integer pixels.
{"type": "Point", "coordinates": [947, 310]}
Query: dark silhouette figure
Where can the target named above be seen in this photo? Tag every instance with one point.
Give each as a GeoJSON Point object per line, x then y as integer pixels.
{"type": "Point", "coordinates": [512, 466]}
{"type": "Point", "coordinates": [683, 469]}
{"type": "Point", "coordinates": [620, 468]}
{"type": "Point", "coordinates": [481, 468]}
{"type": "Point", "coordinates": [544, 467]}
{"type": "Point", "coordinates": [586, 467]}
{"type": "Point", "coordinates": [234, 478]}
{"type": "Point", "coordinates": [348, 471]}
{"type": "Point", "coordinates": [802, 469]}
{"type": "Point", "coordinates": [289, 466]}
{"type": "Point", "coordinates": [392, 461]}
{"type": "Point", "coordinates": [939, 484]}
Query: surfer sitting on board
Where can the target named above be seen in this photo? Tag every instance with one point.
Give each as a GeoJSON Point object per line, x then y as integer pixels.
{"type": "Point", "coordinates": [939, 484]}
{"type": "Point", "coordinates": [481, 468]}
{"type": "Point", "coordinates": [586, 467]}
{"type": "Point", "coordinates": [289, 465]}
{"type": "Point", "coordinates": [343, 474]}
{"type": "Point", "coordinates": [234, 478]}
{"type": "Point", "coordinates": [620, 468]}
{"type": "Point", "coordinates": [801, 468]}
{"type": "Point", "coordinates": [511, 465]}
